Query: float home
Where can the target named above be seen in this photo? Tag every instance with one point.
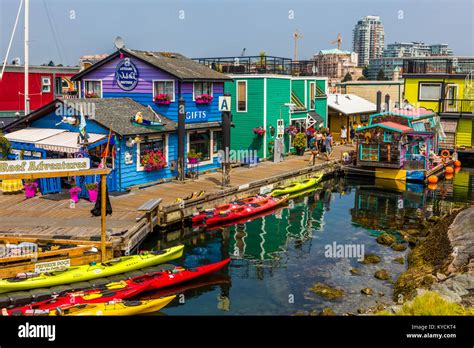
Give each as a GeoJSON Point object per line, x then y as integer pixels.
{"type": "Point", "coordinates": [129, 101]}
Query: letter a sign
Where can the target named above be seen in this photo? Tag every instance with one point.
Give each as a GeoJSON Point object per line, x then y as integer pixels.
{"type": "Point", "coordinates": [224, 103]}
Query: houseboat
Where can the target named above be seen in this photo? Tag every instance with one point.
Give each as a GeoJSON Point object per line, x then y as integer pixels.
{"type": "Point", "coordinates": [128, 106]}
{"type": "Point", "coordinates": [401, 144]}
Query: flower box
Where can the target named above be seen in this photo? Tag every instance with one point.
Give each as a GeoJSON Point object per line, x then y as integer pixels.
{"type": "Point", "coordinates": [203, 99]}
{"type": "Point", "coordinates": [259, 131]}
{"type": "Point", "coordinates": [162, 99]}
{"type": "Point", "coordinates": [153, 160]}
{"type": "Point", "coordinates": [193, 160]}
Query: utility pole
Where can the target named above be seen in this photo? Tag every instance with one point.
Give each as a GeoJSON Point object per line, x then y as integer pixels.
{"type": "Point", "coordinates": [226, 124]}
{"type": "Point", "coordinates": [27, 54]}
{"type": "Point", "coordinates": [181, 136]}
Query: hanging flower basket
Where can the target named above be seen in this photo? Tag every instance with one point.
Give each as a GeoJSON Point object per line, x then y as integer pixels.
{"type": "Point", "coordinates": [203, 99]}
{"type": "Point", "coordinates": [291, 130]}
{"type": "Point", "coordinates": [153, 160]}
{"type": "Point", "coordinates": [163, 99]}
{"type": "Point", "coordinates": [30, 189]}
{"type": "Point", "coordinates": [259, 131]}
{"type": "Point", "coordinates": [74, 193]}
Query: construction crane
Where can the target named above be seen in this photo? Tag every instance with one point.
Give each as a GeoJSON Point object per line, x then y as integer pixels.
{"type": "Point", "coordinates": [243, 52]}
{"type": "Point", "coordinates": [338, 41]}
{"type": "Point", "coordinates": [296, 37]}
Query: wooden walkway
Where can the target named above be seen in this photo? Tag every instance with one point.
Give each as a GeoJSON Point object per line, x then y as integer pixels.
{"type": "Point", "coordinates": [46, 218]}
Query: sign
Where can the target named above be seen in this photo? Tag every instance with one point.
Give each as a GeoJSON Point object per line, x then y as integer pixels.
{"type": "Point", "coordinates": [52, 266]}
{"type": "Point", "coordinates": [280, 128]}
{"type": "Point", "coordinates": [126, 74]}
{"type": "Point", "coordinates": [43, 166]}
{"type": "Point", "coordinates": [26, 153]}
{"type": "Point", "coordinates": [224, 103]}
{"type": "Point", "coordinates": [196, 116]}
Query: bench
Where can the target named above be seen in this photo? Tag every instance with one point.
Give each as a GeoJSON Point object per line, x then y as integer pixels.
{"type": "Point", "coordinates": [148, 208]}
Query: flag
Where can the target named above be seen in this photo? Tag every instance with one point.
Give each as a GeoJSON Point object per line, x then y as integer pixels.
{"type": "Point", "coordinates": [82, 128]}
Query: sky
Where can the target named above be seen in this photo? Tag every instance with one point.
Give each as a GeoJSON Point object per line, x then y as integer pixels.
{"type": "Point", "coordinates": [64, 30]}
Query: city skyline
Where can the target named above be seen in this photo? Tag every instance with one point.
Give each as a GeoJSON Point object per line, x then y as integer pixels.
{"type": "Point", "coordinates": [157, 26]}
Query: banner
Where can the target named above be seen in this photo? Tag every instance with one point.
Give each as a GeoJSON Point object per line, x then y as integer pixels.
{"type": "Point", "coordinates": [44, 166]}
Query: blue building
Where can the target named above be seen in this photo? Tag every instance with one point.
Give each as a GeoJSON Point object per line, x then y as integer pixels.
{"type": "Point", "coordinates": [127, 86]}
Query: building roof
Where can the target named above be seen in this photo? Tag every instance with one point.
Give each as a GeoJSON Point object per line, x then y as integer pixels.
{"type": "Point", "coordinates": [32, 135]}
{"type": "Point", "coordinates": [175, 64]}
{"type": "Point", "coordinates": [45, 69]}
{"type": "Point", "coordinates": [350, 104]}
{"type": "Point", "coordinates": [388, 125]}
{"type": "Point", "coordinates": [112, 113]}
{"type": "Point", "coordinates": [370, 82]}
{"type": "Point", "coordinates": [413, 112]}
{"type": "Point", "coordinates": [334, 51]}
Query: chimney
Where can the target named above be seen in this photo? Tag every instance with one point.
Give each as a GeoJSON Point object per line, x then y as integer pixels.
{"type": "Point", "coordinates": [337, 98]}
{"type": "Point", "coordinates": [379, 101]}
{"type": "Point", "coordinates": [387, 102]}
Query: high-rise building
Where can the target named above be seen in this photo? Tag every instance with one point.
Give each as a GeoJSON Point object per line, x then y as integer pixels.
{"type": "Point", "coordinates": [368, 39]}
{"type": "Point", "coordinates": [416, 49]}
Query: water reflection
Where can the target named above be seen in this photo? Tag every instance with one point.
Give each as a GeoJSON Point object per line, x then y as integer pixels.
{"type": "Point", "coordinates": [282, 253]}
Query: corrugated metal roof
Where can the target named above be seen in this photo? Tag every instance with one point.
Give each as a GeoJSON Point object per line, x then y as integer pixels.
{"type": "Point", "coordinates": [350, 104]}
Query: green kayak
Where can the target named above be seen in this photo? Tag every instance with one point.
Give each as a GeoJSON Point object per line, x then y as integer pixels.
{"type": "Point", "coordinates": [92, 271]}
{"type": "Point", "coordinates": [296, 186]}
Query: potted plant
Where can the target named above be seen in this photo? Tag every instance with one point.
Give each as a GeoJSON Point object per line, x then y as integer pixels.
{"type": "Point", "coordinates": [153, 160]}
{"type": "Point", "coordinates": [259, 131]}
{"type": "Point", "coordinates": [92, 190]}
{"type": "Point", "coordinates": [74, 193]}
{"type": "Point", "coordinates": [30, 188]}
{"type": "Point", "coordinates": [299, 143]}
{"type": "Point", "coordinates": [91, 95]}
{"type": "Point", "coordinates": [5, 147]}
{"type": "Point", "coordinates": [291, 130]}
{"type": "Point", "coordinates": [193, 156]}
{"type": "Point", "coordinates": [203, 99]}
{"type": "Point", "coordinates": [163, 99]}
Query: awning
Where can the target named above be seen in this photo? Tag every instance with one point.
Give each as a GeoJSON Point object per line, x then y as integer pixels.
{"type": "Point", "coordinates": [32, 135]}
{"type": "Point", "coordinates": [66, 142]}
{"type": "Point", "coordinates": [313, 119]}
{"type": "Point", "coordinates": [317, 117]}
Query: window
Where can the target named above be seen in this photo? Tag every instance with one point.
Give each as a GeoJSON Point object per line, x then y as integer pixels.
{"type": "Point", "coordinates": [150, 145]}
{"type": "Point", "coordinates": [429, 91]}
{"type": "Point", "coordinates": [216, 141]}
{"type": "Point", "coordinates": [241, 96]}
{"type": "Point", "coordinates": [312, 95]}
{"type": "Point", "coordinates": [164, 87]}
{"type": "Point", "coordinates": [93, 89]}
{"type": "Point", "coordinates": [200, 88]}
{"type": "Point", "coordinates": [45, 84]}
{"type": "Point", "coordinates": [387, 137]}
{"type": "Point", "coordinates": [200, 142]}
{"type": "Point", "coordinates": [369, 152]}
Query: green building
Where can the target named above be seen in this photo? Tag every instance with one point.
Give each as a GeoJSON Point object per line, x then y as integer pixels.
{"type": "Point", "coordinates": [272, 93]}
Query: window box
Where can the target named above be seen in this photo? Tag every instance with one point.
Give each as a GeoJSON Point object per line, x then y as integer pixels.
{"type": "Point", "coordinates": [163, 99]}
{"type": "Point", "coordinates": [153, 160]}
{"type": "Point", "coordinates": [203, 99]}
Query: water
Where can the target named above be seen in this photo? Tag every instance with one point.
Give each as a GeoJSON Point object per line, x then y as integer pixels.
{"type": "Point", "coordinates": [277, 258]}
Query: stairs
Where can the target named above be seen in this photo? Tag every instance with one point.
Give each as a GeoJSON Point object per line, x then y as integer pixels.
{"type": "Point", "coordinates": [464, 133]}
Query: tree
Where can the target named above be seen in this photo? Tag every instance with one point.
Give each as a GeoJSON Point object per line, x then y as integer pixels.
{"type": "Point", "coordinates": [381, 75]}
{"type": "Point", "coordinates": [348, 77]}
{"type": "Point", "coordinates": [51, 63]}
{"type": "Point", "coordinates": [362, 78]}
{"type": "Point", "coordinates": [365, 72]}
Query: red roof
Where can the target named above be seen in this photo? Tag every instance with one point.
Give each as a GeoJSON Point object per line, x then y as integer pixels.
{"type": "Point", "coordinates": [394, 125]}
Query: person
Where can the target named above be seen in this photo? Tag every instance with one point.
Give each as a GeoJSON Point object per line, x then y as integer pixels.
{"type": "Point", "coordinates": [351, 132]}
{"type": "Point", "coordinates": [319, 140]}
{"type": "Point", "coordinates": [343, 135]}
{"type": "Point", "coordinates": [313, 146]}
{"type": "Point", "coordinates": [328, 145]}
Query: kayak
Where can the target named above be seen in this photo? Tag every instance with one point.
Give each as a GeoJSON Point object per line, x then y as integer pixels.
{"type": "Point", "coordinates": [296, 186]}
{"type": "Point", "coordinates": [115, 308]}
{"type": "Point", "coordinates": [305, 192]}
{"type": "Point", "coordinates": [224, 216]}
{"type": "Point", "coordinates": [122, 290]}
{"type": "Point", "coordinates": [228, 206]}
{"type": "Point", "coordinates": [92, 271]}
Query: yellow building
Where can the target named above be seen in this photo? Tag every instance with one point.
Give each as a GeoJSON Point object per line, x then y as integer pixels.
{"type": "Point", "coordinates": [444, 85]}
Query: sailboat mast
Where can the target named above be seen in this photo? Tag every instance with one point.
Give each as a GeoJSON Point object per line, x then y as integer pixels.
{"type": "Point", "coordinates": [27, 53]}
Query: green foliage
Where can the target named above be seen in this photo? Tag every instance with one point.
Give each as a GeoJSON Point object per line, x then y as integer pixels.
{"type": "Point", "coordinates": [365, 72]}
{"type": "Point", "coordinates": [5, 147]}
{"type": "Point", "coordinates": [193, 154]}
{"type": "Point", "coordinates": [381, 75]}
{"type": "Point", "coordinates": [431, 303]}
{"type": "Point", "coordinates": [362, 78]}
{"type": "Point", "coordinates": [299, 140]}
{"type": "Point", "coordinates": [92, 186]}
{"type": "Point", "coordinates": [348, 77]}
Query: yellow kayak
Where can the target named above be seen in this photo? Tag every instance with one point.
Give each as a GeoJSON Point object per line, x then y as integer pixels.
{"type": "Point", "coordinates": [115, 308]}
{"type": "Point", "coordinates": [92, 271]}
{"type": "Point", "coordinates": [296, 186]}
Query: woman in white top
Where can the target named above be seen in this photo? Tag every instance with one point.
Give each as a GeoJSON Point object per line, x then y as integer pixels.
{"type": "Point", "coordinates": [343, 134]}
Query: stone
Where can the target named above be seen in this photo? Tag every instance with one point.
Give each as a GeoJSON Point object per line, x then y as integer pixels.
{"type": "Point", "coordinates": [326, 312]}
{"type": "Point", "coordinates": [386, 239]}
{"type": "Point", "coordinates": [382, 274]}
{"type": "Point", "coordinates": [461, 237]}
{"type": "Point", "coordinates": [440, 276]}
{"type": "Point", "coordinates": [327, 292]}
{"type": "Point", "coordinates": [367, 291]}
{"type": "Point", "coordinates": [400, 260]}
{"type": "Point", "coordinates": [356, 271]}
{"type": "Point", "coordinates": [399, 247]}
{"type": "Point", "coordinates": [370, 258]}
{"type": "Point", "coordinates": [381, 294]}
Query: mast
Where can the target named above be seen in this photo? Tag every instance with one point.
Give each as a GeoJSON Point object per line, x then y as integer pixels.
{"type": "Point", "coordinates": [27, 53]}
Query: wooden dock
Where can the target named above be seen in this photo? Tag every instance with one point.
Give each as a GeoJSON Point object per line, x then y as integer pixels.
{"type": "Point", "coordinates": [131, 221]}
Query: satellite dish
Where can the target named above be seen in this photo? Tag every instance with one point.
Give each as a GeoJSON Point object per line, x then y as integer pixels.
{"type": "Point", "coordinates": [119, 43]}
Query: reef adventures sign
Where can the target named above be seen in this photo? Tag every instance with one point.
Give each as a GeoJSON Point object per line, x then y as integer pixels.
{"type": "Point", "coordinates": [43, 166]}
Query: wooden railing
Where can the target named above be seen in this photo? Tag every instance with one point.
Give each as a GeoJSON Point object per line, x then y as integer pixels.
{"type": "Point", "coordinates": [456, 106]}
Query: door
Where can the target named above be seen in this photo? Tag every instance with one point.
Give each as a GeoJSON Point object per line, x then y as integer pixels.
{"type": "Point", "coordinates": [451, 103]}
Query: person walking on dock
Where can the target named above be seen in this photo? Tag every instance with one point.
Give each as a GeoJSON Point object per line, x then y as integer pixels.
{"type": "Point", "coordinates": [328, 142]}
{"type": "Point", "coordinates": [343, 135]}
{"type": "Point", "coordinates": [313, 146]}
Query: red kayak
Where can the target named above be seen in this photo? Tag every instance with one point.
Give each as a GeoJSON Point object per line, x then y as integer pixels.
{"type": "Point", "coordinates": [243, 211]}
{"type": "Point", "coordinates": [121, 290]}
{"type": "Point", "coordinates": [229, 206]}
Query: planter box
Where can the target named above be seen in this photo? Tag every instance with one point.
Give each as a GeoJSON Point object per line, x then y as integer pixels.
{"type": "Point", "coordinates": [163, 102]}
{"type": "Point", "coordinates": [203, 101]}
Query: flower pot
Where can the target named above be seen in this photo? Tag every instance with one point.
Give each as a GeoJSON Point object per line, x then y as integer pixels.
{"type": "Point", "coordinates": [193, 160]}
{"type": "Point", "coordinates": [74, 194]}
{"type": "Point", "coordinates": [202, 101]}
{"type": "Point", "coordinates": [30, 191]}
{"type": "Point", "coordinates": [300, 151]}
{"type": "Point", "coordinates": [163, 102]}
{"type": "Point", "coordinates": [93, 195]}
